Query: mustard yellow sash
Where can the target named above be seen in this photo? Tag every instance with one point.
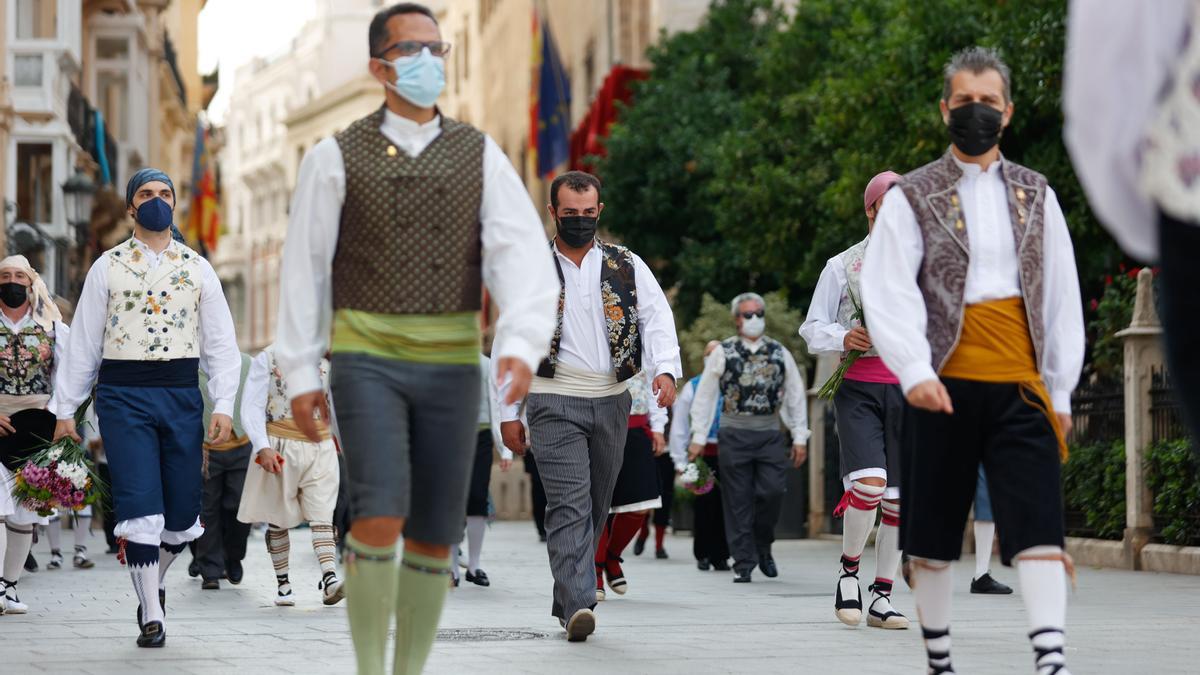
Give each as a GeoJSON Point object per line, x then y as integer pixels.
{"type": "Point", "coordinates": [289, 430]}
{"type": "Point", "coordinates": [995, 347]}
{"type": "Point", "coordinates": [233, 443]}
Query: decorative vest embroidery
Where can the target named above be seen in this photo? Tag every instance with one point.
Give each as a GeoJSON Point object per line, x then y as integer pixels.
{"type": "Point", "coordinates": [153, 314]}
{"type": "Point", "coordinates": [639, 392]}
{"type": "Point", "coordinates": [852, 260]}
{"type": "Point", "coordinates": [26, 361]}
{"type": "Point", "coordinates": [1170, 174]}
{"type": "Point", "coordinates": [409, 236]}
{"type": "Point", "coordinates": [752, 383]}
{"type": "Point", "coordinates": [933, 194]}
{"type": "Point", "coordinates": [279, 404]}
{"type": "Point", "coordinates": [618, 292]}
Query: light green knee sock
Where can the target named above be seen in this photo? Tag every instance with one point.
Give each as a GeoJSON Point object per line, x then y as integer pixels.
{"type": "Point", "coordinates": [420, 593]}
{"type": "Point", "coordinates": [370, 593]}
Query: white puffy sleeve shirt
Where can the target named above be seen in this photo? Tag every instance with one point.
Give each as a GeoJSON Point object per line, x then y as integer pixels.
{"type": "Point", "coordinates": [793, 412]}
{"type": "Point", "coordinates": [821, 329]}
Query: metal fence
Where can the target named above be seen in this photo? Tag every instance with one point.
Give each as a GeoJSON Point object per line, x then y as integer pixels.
{"type": "Point", "coordinates": [1098, 413]}
{"type": "Point", "coordinates": [1166, 419]}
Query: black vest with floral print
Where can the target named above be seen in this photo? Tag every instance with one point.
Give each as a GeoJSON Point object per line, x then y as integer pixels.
{"type": "Point", "coordinates": [618, 290]}
{"type": "Point", "coordinates": [26, 361]}
{"type": "Point", "coordinates": [753, 381]}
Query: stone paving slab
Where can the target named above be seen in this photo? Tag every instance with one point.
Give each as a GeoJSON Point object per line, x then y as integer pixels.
{"type": "Point", "coordinates": [675, 619]}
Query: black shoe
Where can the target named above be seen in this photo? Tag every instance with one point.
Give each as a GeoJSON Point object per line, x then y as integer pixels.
{"type": "Point", "coordinates": [721, 565]}
{"type": "Point", "coordinates": [479, 578]}
{"type": "Point", "coordinates": [766, 563]}
{"type": "Point", "coordinates": [703, 565]}
{"type": "Point", "coordinates": [112, 550]}
{"type": "Point", "coordinates": [211, 584]}
{"type": "Point", "coordinates": [162, 603]}
{"type": "Point", "coordinates": [989, 586]}
{"type": "Point", "coordinates": [661, 554]}
{"type": "Point", "coordinates": [31, 563]}
{"type": "Point", "coordinates": [639, 545]}
{"type": "Point", "coordinates": [234, 572]}
{"type": "Point", "coordinates": [153, 635]}
{"type": "Point", "coordinates": [542, 537]}
{"type": "Point", "coordinates": [193, 569]}
{"type": "Point", "coordinates": [742, 577]}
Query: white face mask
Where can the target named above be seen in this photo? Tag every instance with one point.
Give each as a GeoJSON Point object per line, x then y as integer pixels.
{"type": "Point", "coordinates": [753, 327]}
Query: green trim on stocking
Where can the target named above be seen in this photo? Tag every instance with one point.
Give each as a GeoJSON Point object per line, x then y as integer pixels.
{"type": "Point", "coordinates": [420, 594]}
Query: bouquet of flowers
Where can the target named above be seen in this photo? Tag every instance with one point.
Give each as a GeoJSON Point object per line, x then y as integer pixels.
{"type": "Point", "coordinates": [697, 478]}
{"type": "Point", "coordinates": [58, 476]}
{"type": "Point", "coordinates": [829, 389]}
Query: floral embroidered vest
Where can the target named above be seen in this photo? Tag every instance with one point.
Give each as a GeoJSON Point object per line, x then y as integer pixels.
{"type": "Point", "coordinates": [639, 393]}
{"type": "Point", "coordinates": [852, 260]}
{"type": "Point", "coordinates": [26, 361]}
{"type": "Point", "coordinates": [1170, 174]}
{"type": "Point", "coordinates": [931, 191]}
{"type": "Point", "coordinates": [752, 383]}
{"type": "Point", "coordinates": [152, 313]}
{"type": "Point", "coordinates": [279, 403]}
{"type": "Point", "coordinates": [618, 291]}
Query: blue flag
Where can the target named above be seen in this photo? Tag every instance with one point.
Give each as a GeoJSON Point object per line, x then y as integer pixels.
{"type": "Point", "coordinates": [554, 108]}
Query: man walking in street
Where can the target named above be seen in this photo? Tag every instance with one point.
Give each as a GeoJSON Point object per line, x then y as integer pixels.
{"type": "Point", "coordinates": [971, 292]}
{"type": "Point", "coordinates": [151, 309]}
{"type": "Point", "coordinates": [757, 381]}
{"type": "Point", "coordinates": [397, 223]}
{"type": "Point", "coordinates": [869, 408]}
{"type": "Point", "coordinates": [613, 320]}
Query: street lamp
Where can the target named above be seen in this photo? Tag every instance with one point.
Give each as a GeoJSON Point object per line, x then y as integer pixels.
{"type": "Point", "coordinates": [78, 192]}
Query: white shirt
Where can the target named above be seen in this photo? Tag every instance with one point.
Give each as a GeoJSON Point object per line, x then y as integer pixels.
{"type": "Point", "coordinates": [821, 328]}
{"type": "Point", "coordinates": [793, 412]}
{"type": "Point", "coordinates": [896, 309]}
{"type": "Point", "coordinates": [489, 405]}
{"type": "Point", "coordinates": [254, 403]}
{"type": "Point", "coordinates": [219, 355]}
{"type": "Point", "coordinates": [520, 278]}
{"type": "Point", "coordinates": [61, 333]}
{"type": "Point", "coordinates": [584, 344]}
{"type": "Point", "coordinates": [1119, 57]}
{"type": "Point", "coordinates": [681, 435]}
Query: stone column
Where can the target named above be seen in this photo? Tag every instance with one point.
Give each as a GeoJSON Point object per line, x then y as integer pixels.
{"type": "Point", "coordinates": [1143, 352]}
{"type": "Point", "coordinates": [818, 409]}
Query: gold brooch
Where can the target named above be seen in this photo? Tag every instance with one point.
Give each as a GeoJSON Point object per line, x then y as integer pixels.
{"type": "Point", "coordinates": [959, 224]}
{"type": "Point", "coordinates": [391, 151]}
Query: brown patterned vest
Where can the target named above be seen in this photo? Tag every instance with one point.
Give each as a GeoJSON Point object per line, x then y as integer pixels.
{"type": "Point", "coordinates": [931, 191]}
{"type": "Point", "coordinates": [618, 291]}
{"type": "Point", "coordinates": [409, 237]}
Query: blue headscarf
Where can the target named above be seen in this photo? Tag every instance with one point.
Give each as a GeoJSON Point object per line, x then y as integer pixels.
{"type": "Point", "coordinates": [141, 178]}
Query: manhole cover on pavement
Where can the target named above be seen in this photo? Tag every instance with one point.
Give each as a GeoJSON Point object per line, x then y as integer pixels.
{"type": "Point", "coordinates": [487, 635]}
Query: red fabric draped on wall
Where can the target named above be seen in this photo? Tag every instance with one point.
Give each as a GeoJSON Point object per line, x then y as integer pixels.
{"type": "Point", "coordinates": [588, 137]}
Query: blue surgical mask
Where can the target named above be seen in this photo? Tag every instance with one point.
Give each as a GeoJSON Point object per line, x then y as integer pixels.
{"type": "Point", "coordinates": [155, 215]}
{"type": "Point", "coordinates": [419, 78]}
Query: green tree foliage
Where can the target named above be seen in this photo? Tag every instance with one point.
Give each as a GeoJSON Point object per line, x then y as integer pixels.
{"type": "Point", "coordinates": [714, 322]}
{"type": "Point", "coordinates": [1173, 475]}
{"type": "Point", "coordinates": [743, 160]}
{"type": "Point", "coordinates": [1094, 486]}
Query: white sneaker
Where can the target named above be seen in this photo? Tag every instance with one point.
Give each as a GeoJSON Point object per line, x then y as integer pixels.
{"type": "Point", "coordinates": [333, 589]}
{"type": "Point", "coordinates": [881, 614]}
{"type": "Point", "coordinates": [847, 600]}
{"type": "Point", "coordinates": [284, 598]}
{"type": "Point", "coordinates": [12, 604]}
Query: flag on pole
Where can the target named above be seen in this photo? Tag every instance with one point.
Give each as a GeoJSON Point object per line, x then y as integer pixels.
{"type": "Point", "coordinates": [204, 224]}
{"type": "Point", "coordinates": [551, 105]}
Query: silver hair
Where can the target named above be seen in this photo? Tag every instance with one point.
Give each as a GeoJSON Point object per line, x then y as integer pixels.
{"type": "Point", "coordinates": [744, 297]}
{"type": "Point", "coordinates": [976, 59]}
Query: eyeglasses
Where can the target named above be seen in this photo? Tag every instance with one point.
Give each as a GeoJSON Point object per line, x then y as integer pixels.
{"type": "Point", "coordinates": [414, 47]}
{"type": "Point", "coordinates": [750, 315]}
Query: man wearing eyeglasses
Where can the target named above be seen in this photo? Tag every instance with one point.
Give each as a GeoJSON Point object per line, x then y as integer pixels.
{"type": "Point", "coordinates": [397, 223]}
{"type": "Point", "coordinates": [760, 386]}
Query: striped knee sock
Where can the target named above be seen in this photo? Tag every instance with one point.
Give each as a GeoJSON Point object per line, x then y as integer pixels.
{"type": "Point", "coordinates": [324, 546]}
{"type": "Point", "coordinates": [279, 545]}
{"type": "Point", "coordinates": [933, 586]}
{"type": "Point", "coordinates": [143, 561]}
{"type": "Point", "coordinates": [887, 543]}
{"type": "Point", "coordinates": [861, 502]}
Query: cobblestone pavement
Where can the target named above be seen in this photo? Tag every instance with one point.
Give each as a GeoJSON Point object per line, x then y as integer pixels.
{"type": "Point", "coordinates": [675, 619]}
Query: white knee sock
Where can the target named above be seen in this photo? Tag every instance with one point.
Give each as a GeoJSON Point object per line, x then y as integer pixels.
{"type": "Point", "coordinates": [985, 534]}
{"type": "Point", "coordinates": [476, 526]}
{"type": "Point", "coordinates": [143, 560]}
{"type": "Point", "coordinates": [887, 543]}
{"type": "Point", "coordinates": [83, 526]}
{"type": "Point", "coordinates": [858, 521]}
{"type": "Point", "coordinates": [19, 539]}
{"type": "Point", "coordinates": [54, 534]}
{"type": "Point", "coordinates": [933, 584]}
{"type": "Point", "coordinates": [1044, 592]}
{"type": "Point", "coordinates": [167, 553]}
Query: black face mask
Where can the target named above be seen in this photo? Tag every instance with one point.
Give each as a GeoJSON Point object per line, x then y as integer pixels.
{"type": "Point", "coordinates": [13, 294]}
{"type": "Point", "coordinates": [577, 231]}
{"type": "Point", "coordinates": [975, 128]}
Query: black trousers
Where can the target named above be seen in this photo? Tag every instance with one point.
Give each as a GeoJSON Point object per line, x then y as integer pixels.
{"type": "Point", "coordinates": [106, 508]}
{"type": "Point", "coordinates": [666, 487]}
{"type": "Point", "coordinates": [537, 493]}
{"type": "Point", "coordinates": [224, 538]}
{"type": "Point", "coordinates": [481, 474]}
{"type": "Point", "coordinates": [1180, 306]}
{"type": "Point", "coordinates": [708, 535]}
